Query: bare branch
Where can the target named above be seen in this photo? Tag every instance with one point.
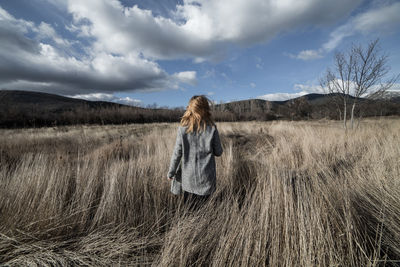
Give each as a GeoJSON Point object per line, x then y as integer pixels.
{"type": "Point", "coordinates": [358, 73]}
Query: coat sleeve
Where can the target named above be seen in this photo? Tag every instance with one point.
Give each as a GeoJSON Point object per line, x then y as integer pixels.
{"type": "Point", "coordinates": [216, 143]}
{"type": "Point", "coordinates": [176, 155]}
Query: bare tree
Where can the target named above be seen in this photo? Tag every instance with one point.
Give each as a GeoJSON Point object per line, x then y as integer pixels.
{"type": "Point", "coordinates": [369, 69]}
{"type": "Point", "coordinates": [337, 83]}
{"type": "Point", "coordinates": [357, 74]}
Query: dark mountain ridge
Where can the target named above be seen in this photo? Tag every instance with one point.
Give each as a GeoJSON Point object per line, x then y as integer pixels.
{"type": "Point", "coordinates": [46, 101]}
{"type": "Point", "coordinates": [266, 105]}
{"type": "Point", "coordinates": [28, 108]}
{"type": "Point", "coordinates": [36, 109]}
{"type": "Point", "coordinates": [310, 106]}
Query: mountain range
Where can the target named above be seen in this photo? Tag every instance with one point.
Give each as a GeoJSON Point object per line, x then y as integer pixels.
{"type": "Point", "coordinates": [27, 108]}
{"type": "Point", "coordinates": [47, 102]}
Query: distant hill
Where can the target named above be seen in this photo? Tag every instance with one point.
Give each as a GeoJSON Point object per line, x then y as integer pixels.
{"type": "Point", "coordinates": [265, 105]}
{"type": "Point", "coordinates": [390, 95]}
{"type": "Point", "coordinates": [318, 99]}
{"type": "Point", "coordinates": [309, 106]}
{"type": "Point", "coordinates": [47, 102]}
{"type": "Point", "coordinates": [27, 109]}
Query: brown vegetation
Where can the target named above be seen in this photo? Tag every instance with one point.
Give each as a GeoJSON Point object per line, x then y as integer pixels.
{"type": "Point", "coordinates": [288, 194]}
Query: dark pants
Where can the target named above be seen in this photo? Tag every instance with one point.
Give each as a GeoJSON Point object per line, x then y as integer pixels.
{"type": "Point", "coordinates": [194, 201]}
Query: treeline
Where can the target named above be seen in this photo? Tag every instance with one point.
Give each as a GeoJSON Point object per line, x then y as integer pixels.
{"type": "Point", "coordinates": [16, 117]}
{"type": "Point", "coordinates": [302, 109]}
{"type": "Point", "coordinates": [297, 109]}
{"type": "Point", "coordinates": [34, 116]}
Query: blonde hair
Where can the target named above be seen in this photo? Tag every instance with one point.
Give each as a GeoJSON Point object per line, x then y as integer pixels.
{"type": "Point", "coordinates": [197, 114]}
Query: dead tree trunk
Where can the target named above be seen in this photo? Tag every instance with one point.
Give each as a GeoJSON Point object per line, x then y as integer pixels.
{"type": "Point", "coordinates": [352, 115]}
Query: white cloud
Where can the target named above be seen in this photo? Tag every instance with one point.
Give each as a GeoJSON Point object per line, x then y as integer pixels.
{"type": "Point", "coordinates": [336, 37]}
{"type": "Point", "coordinates": [309, 88]}
{"type": "Point", "coordinates": [382, 18]}
{"type": "Point", "coordinates": [188, 77]}
{"type": "Point", "coordinates": [303, 88]}
{"type": "Point", "coordinates": [123, 30]}
{"type": "Point", "coordinates": [255, 20]}
{"type": "Point", "coordinates": [281, 96]}
{"type": "Point", "coordinates": [120, 45]}
{"type": "Point", "coordinates": [7, 21]}
{"type": "Point", "coordinates": [199, 29]}
{"type": "Point", "coordinates": [125, 42]}
{"type": "Point", "coordinates": [385, 18]}
{"type": "Point", "coordinates": [199, 60]}
{"type": "Point", "coordinates": [46, 31]}
{"type": "Point", "coordinates": [4, 15]}
{"type": "Point", "coordinates": [129, 101]}
{"type": "Point", "coordinates": [24, 85]}
{"type": "Point", "coordinates": [395, 87]}
{"type": "Point", "coordinates": [308, 54]}
{"type": "Point", "coordinates": [253, 85]}
{"type": "Point", "coordinates": [109, 97]}
{"type": "Point", "coordinates": [28, 63]}
{"type": "Point", "coordinates": [313, 88]}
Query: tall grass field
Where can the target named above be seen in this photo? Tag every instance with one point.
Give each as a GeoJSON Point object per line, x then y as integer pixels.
{"type": "Point", "coordinates": [288, 194]}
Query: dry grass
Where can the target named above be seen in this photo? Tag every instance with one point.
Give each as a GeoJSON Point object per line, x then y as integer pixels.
{"type": "Point", "coordinates": [288, 194]}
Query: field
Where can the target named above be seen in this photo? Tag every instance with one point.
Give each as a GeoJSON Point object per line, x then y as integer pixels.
{"type": "Point", "coordinates": [288, 194]}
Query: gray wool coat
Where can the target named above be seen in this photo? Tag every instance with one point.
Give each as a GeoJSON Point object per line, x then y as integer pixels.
{"type": "Point", "coordinates": [196, 153]}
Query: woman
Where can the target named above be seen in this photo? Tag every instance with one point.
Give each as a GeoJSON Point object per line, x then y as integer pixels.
{"type": "Point", "coordinates": [197, 142]}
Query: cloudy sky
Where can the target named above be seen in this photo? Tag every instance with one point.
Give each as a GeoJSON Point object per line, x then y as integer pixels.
{"type": "Point", "coordinates": [165, 51]}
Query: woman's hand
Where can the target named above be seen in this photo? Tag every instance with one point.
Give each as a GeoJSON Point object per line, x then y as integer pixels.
{"type": "Point", "coordinates": [170, 178]}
